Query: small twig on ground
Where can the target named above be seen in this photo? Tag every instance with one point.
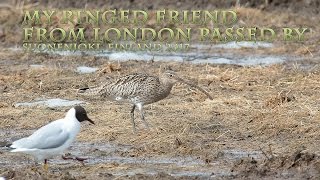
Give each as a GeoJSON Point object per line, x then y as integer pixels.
{"type": "Point", "coordinates": [222, 134]}
{"type": "Point", "coordinates": [264, 153]}
{"type": "Point", "coordinates": [270, 151]}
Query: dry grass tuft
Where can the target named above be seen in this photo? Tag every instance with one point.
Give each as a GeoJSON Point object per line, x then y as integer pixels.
{"type": "Point", "coordinates": [281, 98]}
{"type": "Point", "coordinates": [251, 105]}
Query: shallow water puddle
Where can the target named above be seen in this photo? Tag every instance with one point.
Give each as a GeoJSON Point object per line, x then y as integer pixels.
{"type": "Point", "coordinates": [110, 154]}
{"type": "Point", "coordinates": [244, 44]}
{"type": "Point", "coordinates": [86, 69]}
{"type": "Point", "coordinates": [51, 103]}
{"type": "Point", "coordinates": [79, 69]}
{"type": "Point", "coordinates": [182, 166]}
{"type": "Point", "coordinates": [197, 53]}
{"type": "Point", "coordinates": [238, 154]}
{"type": "Point", "coordinates": [175, 166]}
{"type": "Point", "coordinates": [36, 66]}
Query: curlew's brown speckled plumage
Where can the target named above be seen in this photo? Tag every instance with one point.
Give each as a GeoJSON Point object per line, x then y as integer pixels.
{"type": "Point", "coordinates": [138, 89]}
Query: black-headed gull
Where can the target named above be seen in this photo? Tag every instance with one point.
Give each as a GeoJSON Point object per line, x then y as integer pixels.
{"type": "Point", "coordinates": [53, 138]}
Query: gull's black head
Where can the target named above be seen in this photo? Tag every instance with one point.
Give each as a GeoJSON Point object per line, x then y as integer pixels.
{"type": "Point", "coordinates": [81, 114]}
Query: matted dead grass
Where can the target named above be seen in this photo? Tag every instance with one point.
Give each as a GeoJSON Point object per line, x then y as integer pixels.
{"type": "Point", "coordinates": [272, 109]}
{"type": "Point", "coordinates": [253, 107]}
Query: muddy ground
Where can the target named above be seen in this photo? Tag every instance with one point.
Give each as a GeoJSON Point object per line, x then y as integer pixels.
{"type": "Point", "coordinates": [262, 123]}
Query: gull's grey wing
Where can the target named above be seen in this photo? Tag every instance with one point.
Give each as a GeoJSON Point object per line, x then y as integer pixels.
{"type": "Point", "coordinates": [50, 136]}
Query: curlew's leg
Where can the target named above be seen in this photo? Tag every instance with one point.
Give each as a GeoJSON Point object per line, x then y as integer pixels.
{"type": "Point", "coordinates": [132, 118]}
{"type": "Point", "coordinates": [140, 106]}
{"type": "Point", "coordinates": [45, 165]}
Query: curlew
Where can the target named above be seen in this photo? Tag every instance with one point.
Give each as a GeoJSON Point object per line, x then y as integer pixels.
{"type": "Point", "coordinates": [139, 89]}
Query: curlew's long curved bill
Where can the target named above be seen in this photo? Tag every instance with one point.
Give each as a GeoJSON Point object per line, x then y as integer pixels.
{"type": "Point", "coordinates": [195, 86]}
{"type": "Point", "coordinates": [89, 91]}
{"type": "Point", "coordinates": [82, 90]}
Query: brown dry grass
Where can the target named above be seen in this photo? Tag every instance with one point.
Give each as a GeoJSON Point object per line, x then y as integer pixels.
{"type": "Point", "coordinates": [12, 16]}
{"type": "Point", "coordinates": [253, 106]}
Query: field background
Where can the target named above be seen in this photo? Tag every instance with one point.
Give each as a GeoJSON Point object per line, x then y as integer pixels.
{"type": "Point", "coordinates": [262, 123]}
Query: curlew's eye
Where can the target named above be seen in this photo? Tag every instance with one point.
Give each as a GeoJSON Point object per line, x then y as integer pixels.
{"type": "Point", "coordinates": [171, 75]}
